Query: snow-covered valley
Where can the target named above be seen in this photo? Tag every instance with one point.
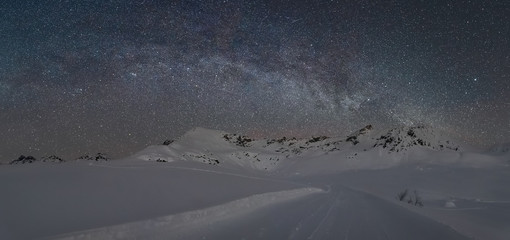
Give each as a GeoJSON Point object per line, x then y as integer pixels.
{"type": "Point", "coordinates": [211, 184]}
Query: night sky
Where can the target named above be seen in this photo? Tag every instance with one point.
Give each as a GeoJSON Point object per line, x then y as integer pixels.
{"type": "Point", "coordinates": [115, 76]}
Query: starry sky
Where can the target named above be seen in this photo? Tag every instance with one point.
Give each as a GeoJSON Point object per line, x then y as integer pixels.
{"type": "Point", "coordinates": [113, 76]}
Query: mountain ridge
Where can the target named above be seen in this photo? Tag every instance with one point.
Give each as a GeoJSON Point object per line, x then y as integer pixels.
{"type": "Point", "coordinates": [364, 148]}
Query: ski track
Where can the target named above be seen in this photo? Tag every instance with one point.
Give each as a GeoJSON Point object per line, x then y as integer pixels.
{"type": "Point", "coordinates": [303, 221]}
{"type": "Point", "coordinates": [325, 219]}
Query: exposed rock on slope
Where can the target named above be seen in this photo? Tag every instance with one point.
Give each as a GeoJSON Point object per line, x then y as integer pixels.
{"type": "Point", "coordinates": [353, 138]}
{"type": "Point", "coordinates": [98, 157]}
{"type": "Point", "coordinates": [402, 139]}
{"type": "Point", "coordinates": [24, 159]}
{"type": "Point", "coordinates": [52, 158]}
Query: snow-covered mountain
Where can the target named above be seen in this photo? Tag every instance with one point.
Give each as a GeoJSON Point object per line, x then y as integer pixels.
{"type": "Point", "coordinates": [364, 148]}
{"type": "Point", "coordinates": [405, 138]}
{"type": "Point", "coordinates": [216, 148]}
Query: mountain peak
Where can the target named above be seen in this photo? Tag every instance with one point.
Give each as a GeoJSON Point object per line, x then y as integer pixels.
{"type": "Point", "coordinates": [353, 138]}
{"type": "Point", "coordinates": [402, 138]}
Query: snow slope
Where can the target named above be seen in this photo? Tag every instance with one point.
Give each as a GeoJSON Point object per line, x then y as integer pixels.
{"type": "Point", "coordinates": [211, 184]}
{"type": "Point", "coordinates": [473, 201]}
{"type": "Point", "coordinates": [44, 200]}
{"type": "Point", "coordinates": [214, 148]}
{"type": "Point", "coordinates": [179, 225]}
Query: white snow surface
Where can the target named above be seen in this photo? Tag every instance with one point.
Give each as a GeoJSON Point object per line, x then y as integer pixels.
{"type": "Point", "coordinates": [211, 184]}
{"type": "Point", "coordinates": [179, 225]}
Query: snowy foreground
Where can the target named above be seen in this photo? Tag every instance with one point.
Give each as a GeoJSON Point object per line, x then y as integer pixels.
{"type": "Point", "coordinates": [213, 185]}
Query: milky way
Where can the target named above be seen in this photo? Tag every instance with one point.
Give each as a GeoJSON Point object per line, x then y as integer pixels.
{"type": "Point", "coordinates": [114, 76]}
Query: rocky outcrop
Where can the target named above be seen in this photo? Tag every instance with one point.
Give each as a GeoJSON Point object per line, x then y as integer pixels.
{"type": "Point", "coordinates": [98, 157]}
{"type": "Point", "coordinates": [353, 138]}
{"type": "Point", "coordinates": [242, 141]}
{"type": "Point", "coordinates": [401, 139]}
{"type": "Point", "coordinates": [22, 159]}
{"type": "Point", "coordinates": [52, 158]}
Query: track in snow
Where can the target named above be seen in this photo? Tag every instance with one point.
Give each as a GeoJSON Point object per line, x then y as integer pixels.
{"type": "Point", "coordinates": [339, 213]}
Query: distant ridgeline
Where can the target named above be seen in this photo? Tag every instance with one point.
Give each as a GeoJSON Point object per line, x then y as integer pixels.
{"type": "Point", "coordinates": [394, 140]}
{"type": "Point", "coordinates": [219, 148]}
{"type": "Point", "coordinates": [204, 145]}
{"type": "Point", "coordinates": [22, 159]}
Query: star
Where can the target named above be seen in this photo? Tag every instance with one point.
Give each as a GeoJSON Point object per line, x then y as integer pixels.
{"type": "Point", "coordinates": [73, 82]}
